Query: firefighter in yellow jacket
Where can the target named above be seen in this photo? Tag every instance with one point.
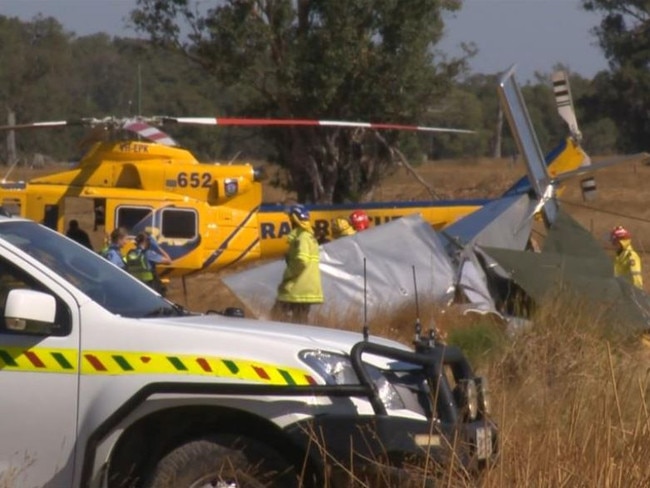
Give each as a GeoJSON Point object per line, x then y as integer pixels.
{"type": "Point", "coordinates": [342, 228]}
{"type": "Point", "coordinates": [357, 222]}
{"type": "Point", "coordinates": [301, 283]}
{"type": "Point", "coordinates": [627, 263]}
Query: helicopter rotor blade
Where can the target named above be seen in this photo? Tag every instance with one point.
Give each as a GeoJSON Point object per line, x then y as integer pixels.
{"type": "Point", "coordinates": [246, 122]}
{"type": "Point", "coordinates": [147, 131]}
{"type": "Point", "coordinates": [40, 125]}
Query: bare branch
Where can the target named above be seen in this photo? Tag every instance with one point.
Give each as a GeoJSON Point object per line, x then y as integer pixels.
{"type": "Point", "coordinates": [396, 152]}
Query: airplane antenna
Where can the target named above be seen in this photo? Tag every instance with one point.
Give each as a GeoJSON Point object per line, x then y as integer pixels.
{"type": "Point", "coordinates": [366, 331]}
{"type": "Point", "coordinates": [232, 160]}
{"type": "Point", "coordinates": [9, 170]}
{"type": "Point", "coordinates": [418, 325]}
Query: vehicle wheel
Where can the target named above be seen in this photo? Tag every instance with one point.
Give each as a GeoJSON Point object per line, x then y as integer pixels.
{"type": "Point", "coordinates": [222, 462]}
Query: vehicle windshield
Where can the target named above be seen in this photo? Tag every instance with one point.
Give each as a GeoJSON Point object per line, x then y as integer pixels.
{"type": "Point", "coordinates": [100, 280]}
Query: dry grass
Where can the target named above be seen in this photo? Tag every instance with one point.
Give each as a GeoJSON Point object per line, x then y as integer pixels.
{"type": "Point", "coordinates": [572, 405]}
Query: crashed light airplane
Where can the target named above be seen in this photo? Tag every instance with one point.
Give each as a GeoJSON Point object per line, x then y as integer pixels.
{"type": "Point", "coordinates": [476, 256]}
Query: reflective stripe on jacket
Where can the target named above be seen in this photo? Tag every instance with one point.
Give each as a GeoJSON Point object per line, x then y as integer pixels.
{"type": "Point", "coordinates": [627, 264]}
{"type": "Point", "coordinates": [301, 281]}
{"type": "Point", "coordinates": [138, 266]}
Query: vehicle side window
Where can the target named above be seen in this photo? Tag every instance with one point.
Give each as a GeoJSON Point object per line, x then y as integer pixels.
{"type": "Point", "coordinates": [12, 278]}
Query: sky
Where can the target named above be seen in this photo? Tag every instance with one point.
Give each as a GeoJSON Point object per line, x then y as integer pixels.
{"type": "Point", "coordinates": [534, 34]}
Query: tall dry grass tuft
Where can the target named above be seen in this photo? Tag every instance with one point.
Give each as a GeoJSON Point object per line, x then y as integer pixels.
{"type": "Point", "coordinates": [572, 403]}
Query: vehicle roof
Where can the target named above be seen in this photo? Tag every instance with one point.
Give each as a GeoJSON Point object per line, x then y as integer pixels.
{"type": "Point", "coordinates": [4, 218]}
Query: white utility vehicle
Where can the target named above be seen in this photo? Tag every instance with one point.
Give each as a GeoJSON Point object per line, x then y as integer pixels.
{"type": "Point", "coordinates": [104, 383]}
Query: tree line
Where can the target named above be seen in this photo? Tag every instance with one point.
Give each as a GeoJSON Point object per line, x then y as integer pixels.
{"type": "Point", "coordinates": [323, 59]}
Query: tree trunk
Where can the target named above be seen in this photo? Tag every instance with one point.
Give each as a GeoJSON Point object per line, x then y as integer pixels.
{"type": "Point", "coordinates": [12, 156]}
{"type": "Point", "coordinates": [497, 135]}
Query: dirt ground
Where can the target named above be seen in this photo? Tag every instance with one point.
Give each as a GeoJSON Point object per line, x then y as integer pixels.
{"type": "Point", "coordinates": [623, 197]}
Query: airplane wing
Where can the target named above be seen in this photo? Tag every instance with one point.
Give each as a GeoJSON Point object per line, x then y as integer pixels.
{"type": "Point", "coordinates": [504, 223]}
{"type": "Point", "coordinates": [572, 260]}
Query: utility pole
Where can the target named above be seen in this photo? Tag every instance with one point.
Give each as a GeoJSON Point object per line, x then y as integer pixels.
{"type": "Point", "coordinates": [12, 156]}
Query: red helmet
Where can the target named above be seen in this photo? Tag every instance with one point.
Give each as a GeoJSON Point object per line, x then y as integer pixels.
{"type": "Point", "coordinates": [619, 232]}
{"type": "Point", "coordinates": [359, 220]}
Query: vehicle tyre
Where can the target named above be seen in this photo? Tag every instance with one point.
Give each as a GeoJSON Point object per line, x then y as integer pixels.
{"type": "Point", "coordinates": [222, 462]}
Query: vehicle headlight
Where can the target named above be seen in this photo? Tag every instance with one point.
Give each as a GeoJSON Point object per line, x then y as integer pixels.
{"type": "Point", "coordinates": [469, 397]}
{"type": "Point", "coordinates": [335, 369]}
{"type": "Point", "coordinates": [484, 401]}
{"type": "Point", "coordinates": [386, 391]}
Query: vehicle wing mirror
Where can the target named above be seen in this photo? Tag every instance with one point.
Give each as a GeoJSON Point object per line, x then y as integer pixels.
{"type": "Point", "coordinates": [29, 311]}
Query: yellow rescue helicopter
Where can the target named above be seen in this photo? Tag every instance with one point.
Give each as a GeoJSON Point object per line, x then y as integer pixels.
{"type": "Point", "coordinates": [207, 216]}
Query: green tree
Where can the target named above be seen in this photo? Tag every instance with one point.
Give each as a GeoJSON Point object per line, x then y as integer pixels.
{"type": "Point", "coordinates": [348, 59]}
{"type": "Point", "coordinates": [50, 74]}
{"type": "Point", "coordinates": [624, 92]}
{"type": "Point", "coordinates": [36, 67]}
{"type": "Point", "coordinates": [463, 109]}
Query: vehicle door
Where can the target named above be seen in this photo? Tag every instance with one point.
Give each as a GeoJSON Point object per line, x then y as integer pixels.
{"type": "Point", "coordinates": [39, 370]}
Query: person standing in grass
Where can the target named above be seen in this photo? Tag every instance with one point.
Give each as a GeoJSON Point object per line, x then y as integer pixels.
{"type": "Point", "coordinates": [301, 282]}
{"type": "Point", "coordinates": [627, 263]}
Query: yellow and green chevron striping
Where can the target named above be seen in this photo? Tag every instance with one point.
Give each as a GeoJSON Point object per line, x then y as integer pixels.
{"type": "Point", "coordinates": [37, 359]}
{"type": "Point", "coordinates": [123, 362]}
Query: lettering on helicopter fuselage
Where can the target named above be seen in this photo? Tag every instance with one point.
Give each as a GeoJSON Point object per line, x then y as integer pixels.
{"type": "Point", "coordinates": [269, 230]}
{"type": "Point", "coordinates": [194, 180]}
{"type": "Point", "coordinates": [385, 219]}
{"type": "Point", "coordinates": [134, 147]}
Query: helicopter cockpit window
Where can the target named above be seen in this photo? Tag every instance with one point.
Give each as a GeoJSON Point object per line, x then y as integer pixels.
{"type": "Point", "coordinates": [12, 205]}
{"type": "Point", "coordinates": [179, 223]}
{"type": "Point", "coordinates": [129, 217]}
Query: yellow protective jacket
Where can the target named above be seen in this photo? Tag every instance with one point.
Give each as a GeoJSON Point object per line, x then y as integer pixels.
{"type": "Point", "coordinates": [342, 228]}
{"type": "Point", "coordinates": [627, 264]}
{"type": "Point", "coordinates": [301, 280]}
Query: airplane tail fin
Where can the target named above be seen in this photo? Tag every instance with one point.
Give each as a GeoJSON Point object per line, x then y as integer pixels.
{"type": "Point", "coordinates": [522, 129]}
